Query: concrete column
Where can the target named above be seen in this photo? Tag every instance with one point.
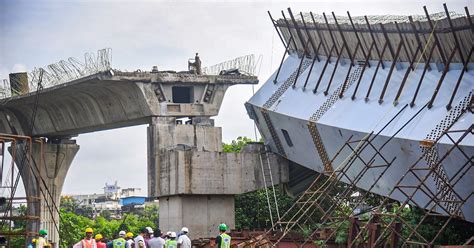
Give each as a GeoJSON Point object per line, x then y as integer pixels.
{"type": "Point", "coordinates": [52, 160]}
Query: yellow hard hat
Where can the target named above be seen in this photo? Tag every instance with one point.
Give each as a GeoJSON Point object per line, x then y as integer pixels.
{"type": "Point", "coordinates": [33, 241]}
{"type": "Point", "coordinates": [129, 235]}
{"type": "Point", "coordinates": [98, 236]}
{"type": "Point", "coordinates": [89, 230]}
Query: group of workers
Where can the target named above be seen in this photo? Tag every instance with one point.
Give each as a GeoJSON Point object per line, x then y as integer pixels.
{"type": "Point", "coordinates": [147, 238]}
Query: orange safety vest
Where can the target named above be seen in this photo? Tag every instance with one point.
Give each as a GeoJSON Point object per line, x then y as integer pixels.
{"type": "Point", "coordinates": [88, 244]}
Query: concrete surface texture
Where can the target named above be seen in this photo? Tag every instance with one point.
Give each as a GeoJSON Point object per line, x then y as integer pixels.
{"type": "Point", "coordinates": [115, 99]}
{"type": "Point", "coordinates": [43, 178]}
{"type": "Point", "coordinates": [186, 165]}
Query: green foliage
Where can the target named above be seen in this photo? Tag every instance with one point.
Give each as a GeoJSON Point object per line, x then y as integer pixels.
{"type": "Point", "coordinates": [236, 145]}
{"type": "Point", "coordinates": [73, 225]}
{"type": "Point", "coordinates": [251, 209]}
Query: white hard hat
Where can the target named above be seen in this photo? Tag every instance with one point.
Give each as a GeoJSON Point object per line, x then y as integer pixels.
{"type": "Point", "coordinates": [173, 235]}
{"type": "Point", "coordinates": [149, 229]}
{"type": "Point", "coordinates": [184, 229]}
{"type": "Point", "coordinates": [168, 233]}
{"type": "Point", "coordinates": [122, 234]}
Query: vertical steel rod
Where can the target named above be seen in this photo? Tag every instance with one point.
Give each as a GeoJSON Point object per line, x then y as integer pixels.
{"type": "Point", "coordinates": [334, 71]}
{"type": "Point", "coordinates": [456, 41]}
{"type": "Point", "coordinates": [299, 67]}
{"type": "Point", "coordinates": [276, 28]}
{"type": "Point", "coordinates": [469, 18]}
{"type": "Point", "coordinates": [289, 30]}
{"type": "Point", "coordinates": [440, 82]}
{"type": "Point", "coordinates": [448, 107]}
{"type": "Point", "coordinates": [373, 39]}
{"type": "Point", "coordinates": [427, 62]}
{"type": "Point", "coordinates": [323, 40]}
{"type": "Point", "coordinates": [310, 38]}
{"type": "Point", "coordinates": [349, 54]}
{"type": "Point", "coordinates": [405, 77]}
{"type": "Point", "coordinates": [322, 72]}
{"type": "Point", "coordinates": [367, 57]}
{"type": "Point", "coordinates": [435, 36]}
{"type": "Point", "coordinates": [282, 60]}
{"type": "Point", "coordinates": [392, 67]}
{"type": "Point", "coordinates": [375, 73]}
{"type": "Point", "coordinates": [309, 73]}
{"type": "Point", "coordinates": [385, 35]}
{"type": "Point", "coordinates": [298, 31]}
{"type": "Point", "coordinates": [357, 35]}
{"type": "Point", "coordinates": [330, 33]}
{"type": "Point", "coordinates": [341, 94]}
{"type": "Point", "coordinates": [418, 40]}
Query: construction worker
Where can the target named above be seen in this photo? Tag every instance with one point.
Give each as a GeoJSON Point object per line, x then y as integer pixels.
{"type": "Point", "coordinates": [223, 240]}
{"type": "Point", "coordinates": [157, 241]}
{"type": "Point", "coordinates": [32, 244]}
{"type": "Point", "coordinates": [183, 240]}
{"type": "Point", "coordinates": [120, 242]}
{"type": "Point", "coordinates": [42, 242]}
{"type": "Point", "coordinates": [140, 239]}
{"type": "Point", "coordinates": [99, 241]}
{"type": "Point", "coordinates": [88, 241]}
{"type": "Point", "coordinates": [171, 242]}
{"type": "Point", "coordinates": [129, 238]}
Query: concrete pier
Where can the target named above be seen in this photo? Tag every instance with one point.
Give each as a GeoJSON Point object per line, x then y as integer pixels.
{"type": "Point", "coordinates": [52, 160]}
{"type": "Point", "coordinates": [195, 181]}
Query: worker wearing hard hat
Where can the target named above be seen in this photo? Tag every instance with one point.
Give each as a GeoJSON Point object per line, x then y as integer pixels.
{"type": "Point", "coordinates": [120, 242]}
{"type": "Point", "coordinates": [32, 244]}
{"type": "Point", "coordinates": [171, 242]}
{"type": "Point", "coordinates": [129, 240]}
{"type": "Point", "coordinates": [157, 241]}
{"type": "Point", "coordinates": [183, 240]}
{"type": "Point", "coordinates": [98, 240]}
{"type": "Point", "coordinates": [42, 242]}
{"type": "Point", "coordinates": [88, 241]}
{"type": "Point", "coordinates": [223, 240]}
{"type": "Point", "coordinates": [140, 239]}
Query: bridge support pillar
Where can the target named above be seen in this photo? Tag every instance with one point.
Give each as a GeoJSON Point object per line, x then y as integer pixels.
{"type": "Point", "coordinates": [195, 181]}
{"type": "Point", "coordinates": [52, 160]}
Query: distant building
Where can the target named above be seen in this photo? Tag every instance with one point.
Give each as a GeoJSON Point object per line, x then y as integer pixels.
{"type": "Point", "coordinates": [114, 199]}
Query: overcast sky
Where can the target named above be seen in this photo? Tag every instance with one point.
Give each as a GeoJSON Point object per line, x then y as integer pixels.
{"type": "Point", "coordinates": [163, 33]}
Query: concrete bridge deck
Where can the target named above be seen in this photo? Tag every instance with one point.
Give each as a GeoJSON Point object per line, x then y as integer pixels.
{"type": "Point", "coordinates": [114, 99]}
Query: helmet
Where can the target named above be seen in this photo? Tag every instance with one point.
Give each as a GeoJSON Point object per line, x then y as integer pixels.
{"type": "Point", "coordinates": [89, 230]}
{"type": "Point", "coordinates": [222, 227]}
{"type": "Point", "coordinates": [129, 235]}
{"type": "Point", "coordinates": [150, 231]}
{"type": "Point", "coordinates": [43, 232]}
{"type": "Point", "coordinates": [98, 236]}
{"type": "Point", "coordinates": [184, 229]}
{"type": "Point", "coordinates": [122, 234]}
{"type": "Point", "coordinates": [33, 241]}
{"type": "Point", "coordinates": [173, 235]}
{"type": "Point", "coordinates": [168, 234]}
